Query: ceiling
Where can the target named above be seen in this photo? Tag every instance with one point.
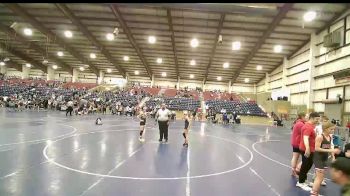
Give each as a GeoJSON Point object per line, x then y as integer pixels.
{"type": "Point", "coordinates": [259, 27]}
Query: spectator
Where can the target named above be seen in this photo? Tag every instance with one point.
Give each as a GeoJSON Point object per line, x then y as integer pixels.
{"type": "Point", "coordinates": [340, 173]}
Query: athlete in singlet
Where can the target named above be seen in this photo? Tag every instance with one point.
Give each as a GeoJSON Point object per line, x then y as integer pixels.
{"type": "Point", "coordinates": [187, 124]}
{"type": "Point", "coordinates": [142, 116]}
{"type": "Point", "coordinates": [323, 148]}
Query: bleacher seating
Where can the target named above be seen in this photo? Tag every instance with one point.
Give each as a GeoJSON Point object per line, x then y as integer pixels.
{"type": "Point", "coordinates": [194, 94]}
{"type": "Point", "coordinates": [240, 108]}
{"type": "Point", "coordinates": [208, 95]}
{"type": "Point", "coordinates": [32, 88]}
{"type": "Point", "coordinates": [78, 85]}
{"type": "Point", "coordinates": [151, 91]}
{"type": "Point", "coordinates": [173, 103]}
{"type": "Point", "coordinates": [174, 99]}
{"type": "Point", "coordinates": [124, 97]}
{"type": "Point", "coordinates": [170, 92]}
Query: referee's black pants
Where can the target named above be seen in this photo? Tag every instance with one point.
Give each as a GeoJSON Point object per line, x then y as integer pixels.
{"type": "Point", "coordinates": [163, 130]}
{"type": "Point", "coordinates": [69, 110]}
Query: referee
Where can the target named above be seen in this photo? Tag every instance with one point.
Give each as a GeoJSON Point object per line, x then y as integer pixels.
{"type": "Point", "coordinates": [163, 117]}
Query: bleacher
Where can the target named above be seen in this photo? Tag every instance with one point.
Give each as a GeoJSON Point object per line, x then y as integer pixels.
{"type": "Point", "coordinates": [170, 92]}
{"type": "Point", "coordinates": [112, 97]}
{"type": "Point", "coordinates": [31, 88]}
{"type": "Point", "coordinates": [240, 108]}
{"type": "Point", "coordinates": [152, 91]}
{"type": "Point", "coordinates": [180, 103]}
{"type": "Point", "coordinates": [208, 95]}
{"type": "Point", "coordinates": [172, 98]}
{"type": "Point", "coordinates": [78, 85]}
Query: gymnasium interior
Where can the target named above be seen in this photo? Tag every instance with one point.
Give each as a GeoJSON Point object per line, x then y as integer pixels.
{"type": "Point", "coordinates": [243, 72]}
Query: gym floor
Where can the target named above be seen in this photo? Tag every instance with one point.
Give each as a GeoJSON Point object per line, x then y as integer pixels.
{"type": "Point", "coordinates": [47, 153]}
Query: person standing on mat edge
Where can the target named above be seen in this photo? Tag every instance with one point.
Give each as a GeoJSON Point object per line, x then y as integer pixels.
{"type": "Point", "coordinates": [186, 117]}
{"type": "Point", "coordinates": [163, 117]}
{"type": "Point", "coordinates": [295, 141]}
{"type": "Point", "coordinates": [307, 149]}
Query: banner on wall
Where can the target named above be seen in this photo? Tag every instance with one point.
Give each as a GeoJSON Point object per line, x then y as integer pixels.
{"type": "Point", "coordinates": [345, 80]}
{"type": "Point", "coordinates": [280, 93]}
{"type": "Point", "coordinates": [117, 81]}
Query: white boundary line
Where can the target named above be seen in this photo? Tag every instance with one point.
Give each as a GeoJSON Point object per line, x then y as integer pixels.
{"type": "Point", "coordinates": [188, 182]}
{"type": "Point", "coordinates": [264, 181]}
{"type": "Point", "coordinates": [31, 166]}
{"type": "Point", "coordinates": [111, 171]}
{"type": "Point", "coordinates": [45, 139]}
{"type": "Point", "coordinates": [273, 160]}
{"type": "Point", "coordinates": [139, 178]}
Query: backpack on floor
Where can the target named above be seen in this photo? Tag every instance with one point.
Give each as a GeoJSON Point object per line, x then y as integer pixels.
{"type": "Point", "coordinates": [98, 121]}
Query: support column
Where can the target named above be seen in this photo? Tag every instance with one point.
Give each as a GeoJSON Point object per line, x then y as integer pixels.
{"type": "Point", "coordinates": [25, 72]}
{"type": "Point", "coordinates": [229, 86]}
{"type": "Point", "coordinates": [101, 77]}
{"type": "Point", "coordinates": [203, 86]}
{"type": "Point", "coordinates": [152, 81]}
{"type": "Point", "coordinates": [178, 83]}
{"type": "Point", "coordinates": [267, 84]}
{"type": "Point", "coordinates": [3, 69]}
{"type": "Point", "coordinates": [311, 80]}
{"type": "Point", "coordinates": [75, 75]}
{"type": "Point", "coordinates": [284, 73]}
{"type": "Point", "coordinates": [255, 90]}
{"type": "Point", "coordinates": [127, 77]}
{"type": "Point", "coordinates": [50, 73]}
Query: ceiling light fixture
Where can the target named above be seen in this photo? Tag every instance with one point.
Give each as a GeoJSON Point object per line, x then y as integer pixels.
{"type": "Point", "coordinates": [236, 45]}
{"type": "Point", "coordinates": [194, 43]}
{"type": "Point", "coordinates": [137, 72]}
{"type": "Point", "coordinates": [258, 67]}
{"type": "Point", "coordinates": [54, 66]}
{"type": "Point", "coordinates": [81, 68]}
{"type": "Point", "coordinates": [110, 36]}
{"type": "Point", "coordinates": [159, 60]}
{"type": "Point", "coordinates": [192, 62]}
{"type": "Point", "coordinates": [28, 31]}
{"type": "Point", "coordinates": [6, 59]}
{"type": "Point", "coordinates": [246, 80]}
{"type": "Point", "coordinates": [278, 48]}
{"type": "Point", "coordinates": [92, 55]}
{"type": "Point", "coordinates": [28, 65]}
{"type": "Point", "coordinates": [309, 16]}
{"type": "Point", "coordinates": [226, 65]}
{"type": "Point", "coordinates": [126, 58]}
{"type": "Point", "coordinates": [68, 34]}
{"type": "Point", "coordinates": [164, 74]}
{"type": "Point", "coordinates": [152, 39]}
{"type": "Point", "coordinates": [2, 63]}
{"type": "Point", "coordinates": [109, 70]}
{"type": "Point", "coordinates": [191, 76]}
{"type": "Point", "coordinates": [219, 78]}
{"type": "Point", "coordinates": [60, 53]}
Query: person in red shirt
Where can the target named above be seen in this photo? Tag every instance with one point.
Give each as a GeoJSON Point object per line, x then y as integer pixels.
{"type": "Point", "coordinates": [307, 148]}
{"type": "Point", "coordinates": [295, 141]}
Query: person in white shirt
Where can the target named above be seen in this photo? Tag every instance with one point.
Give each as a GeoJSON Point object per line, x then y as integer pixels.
{"type": "Point", "coordinates": [318, 128]}
{"type": "Point", "coordinates": [69, 108]}
{"type": "Point", "coordinates": [163, 116]}
{"type": "Point", "coordinates": [223, 110]}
